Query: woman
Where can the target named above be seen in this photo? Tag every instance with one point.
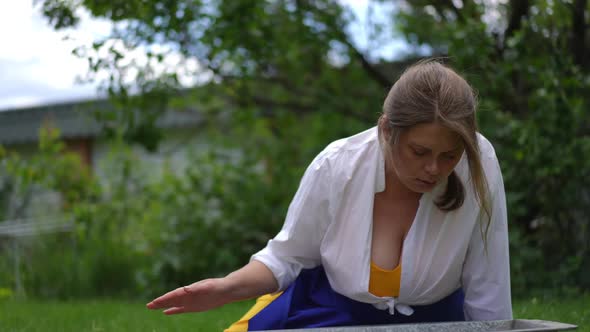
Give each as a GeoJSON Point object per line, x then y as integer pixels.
{"type": "Point", "coordinates": [404, 222]}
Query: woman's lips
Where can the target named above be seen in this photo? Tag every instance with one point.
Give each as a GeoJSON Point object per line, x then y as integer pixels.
{"type": "Point", "coordinates": [427, 183]}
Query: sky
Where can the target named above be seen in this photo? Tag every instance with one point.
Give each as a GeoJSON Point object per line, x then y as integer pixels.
{"type": "Point", "coordinates": [37, 67]}
{"type": "Point", "coordinates": [36, 64]}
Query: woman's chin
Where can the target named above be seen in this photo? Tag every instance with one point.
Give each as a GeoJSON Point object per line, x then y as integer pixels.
{"type": "Point", "coordinates": [422, 187]}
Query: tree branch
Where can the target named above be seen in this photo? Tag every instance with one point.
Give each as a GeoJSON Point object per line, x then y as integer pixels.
{"type": "Point", "coordinates": [371, 70]}
{"type": "Point", "coordinates": [578, 37]}
{"type": "Point", "coordinates": [519, 10]}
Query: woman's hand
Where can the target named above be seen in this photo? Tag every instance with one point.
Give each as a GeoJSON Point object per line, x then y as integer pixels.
{"type": "Point", "coordinates": [252, 280]}
{"type": "Point", "coordinates": [201, 296]}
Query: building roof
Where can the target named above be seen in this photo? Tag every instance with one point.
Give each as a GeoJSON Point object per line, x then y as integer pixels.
{"type": "Point", "coordinates": [73, 119]}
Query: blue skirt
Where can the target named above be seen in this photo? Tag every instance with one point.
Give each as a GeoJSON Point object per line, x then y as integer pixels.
{"type": "Point", "coordinates": [310, 302]}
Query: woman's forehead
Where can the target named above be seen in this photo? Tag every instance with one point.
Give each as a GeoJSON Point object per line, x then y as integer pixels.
{"type": "Point", "coordinates": [433, 136]}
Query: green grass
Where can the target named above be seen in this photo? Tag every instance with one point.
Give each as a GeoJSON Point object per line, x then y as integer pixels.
{"type": "Point", "coordinates": [566, 310]}
{"type": "Point", "coordinates": [102, 315]}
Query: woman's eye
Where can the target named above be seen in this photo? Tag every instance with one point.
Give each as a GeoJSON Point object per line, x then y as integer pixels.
{"type": "Point", "coordinates": [418, 153]}
{"type": "Point", "coordinates": [451, 157]}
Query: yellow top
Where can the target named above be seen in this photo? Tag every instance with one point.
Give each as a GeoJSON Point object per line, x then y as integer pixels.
{"type": "Point", "coordinates": [385, 282]}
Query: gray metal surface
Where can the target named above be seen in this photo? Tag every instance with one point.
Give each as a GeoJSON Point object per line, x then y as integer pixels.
{"type": "Point", "coordinates": [516, 325]}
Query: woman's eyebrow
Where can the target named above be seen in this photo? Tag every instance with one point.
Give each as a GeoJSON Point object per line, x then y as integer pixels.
{"type": "Point", "coordinates": [415, 145]}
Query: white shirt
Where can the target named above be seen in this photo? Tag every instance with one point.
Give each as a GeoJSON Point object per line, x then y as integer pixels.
{"type": "Point", "coordinates": [329, 223]}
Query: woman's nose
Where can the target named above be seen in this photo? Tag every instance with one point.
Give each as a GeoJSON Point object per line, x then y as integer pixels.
{"type": "Point", "coordinates": [432, 167]}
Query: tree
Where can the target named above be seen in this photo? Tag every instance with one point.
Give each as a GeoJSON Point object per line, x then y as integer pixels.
{"type": "Point", "coordinates": [271, 63]}
{"type": "Point", "coordinates": [277, 56]}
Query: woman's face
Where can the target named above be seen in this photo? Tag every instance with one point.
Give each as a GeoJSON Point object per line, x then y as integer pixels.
{"type": "Point", "coordinates": [425, 154]}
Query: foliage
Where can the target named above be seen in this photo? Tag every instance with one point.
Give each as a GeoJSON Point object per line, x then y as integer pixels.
{"type": "Point", "coordinates": [5, 293]}
{"type": "Point", "coordinates": [47, 169]}
{"type": "Point", "coordinates": [277, 69]}
{"type": "Point", "coordinates": [240, 45]}
{"type": "Point", "coordinates": [144, 229]}
{"type": "Point", "coordinates": [94, 259]}
{"type": "Point", "coordinates": [207, 218]}
{"type": "Point", "coordinates": [50, 170]}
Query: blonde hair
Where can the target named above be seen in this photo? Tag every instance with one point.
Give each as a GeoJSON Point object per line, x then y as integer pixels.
{"type": "Point", "coordinates": [430, 92]}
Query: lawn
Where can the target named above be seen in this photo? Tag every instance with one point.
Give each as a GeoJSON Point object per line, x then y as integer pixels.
{"type": "Point", "coordinates": [130, 316]}
{"type": "Point", "coordinates": [105, 316]}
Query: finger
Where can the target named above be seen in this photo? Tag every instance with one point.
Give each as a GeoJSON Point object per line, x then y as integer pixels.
{"type": "Point", "coordinates": [153, 305]}
{"type": "Point", "coordinates": [174, 311]}
{"type": "Point", "coordinates": [198, 286]}
{"type": "Point", "coordinates": [170, 299]}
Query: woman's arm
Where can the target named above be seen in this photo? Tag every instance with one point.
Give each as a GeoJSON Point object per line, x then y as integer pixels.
{"type": "Point", "coordinates": [253, 280]}
{"type": "Point", "coordinates": [297, 245]}
{"type": "Point", "coordinates": [486, 270]}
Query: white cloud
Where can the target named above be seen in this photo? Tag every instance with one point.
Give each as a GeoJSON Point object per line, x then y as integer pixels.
{"type": "Point", "coordinates": [37, 65]}
{"type": "Point", "coordinates": [36, 62]}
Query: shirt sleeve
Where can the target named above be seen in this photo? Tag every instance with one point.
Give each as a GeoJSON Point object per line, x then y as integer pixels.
{"type": "Point", "coordinates": [297, 245]}
{"type": "Point", "coordinates": [486, 274]}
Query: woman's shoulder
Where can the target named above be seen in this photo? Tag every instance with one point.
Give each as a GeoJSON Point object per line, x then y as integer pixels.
{"type": "Point", "coordinates": [351, 145]}
{"type": "Point", "coordinates": [486, 148]}
{"type": "Point", "coordinates": [488, 158]}
{"type": "Point", "coordinates": [489, 161]}
{"type": "Point", "coordinates": [347, 154]}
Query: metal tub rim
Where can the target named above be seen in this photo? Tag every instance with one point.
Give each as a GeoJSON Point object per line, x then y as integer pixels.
{"type": "Point", "coordinates": [513, 325]}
